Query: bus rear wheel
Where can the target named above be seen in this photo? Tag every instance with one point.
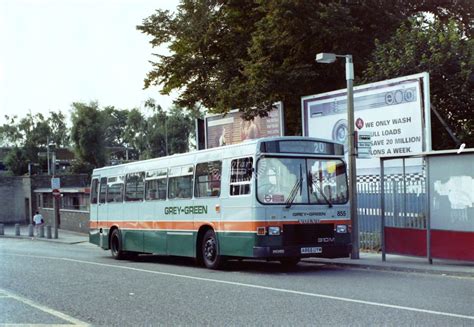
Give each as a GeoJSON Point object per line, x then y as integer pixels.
{"type": "Point", "coordinates": [116, 245]}
{"type": "Point", "coordinates": [210, 251]}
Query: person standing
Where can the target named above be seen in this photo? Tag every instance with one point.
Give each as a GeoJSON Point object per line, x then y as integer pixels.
{"type": "Point", "coordinates": [253, 129]}
{"type": "Point", "coordinates": [222, 138]}
{"type": "Point", "coordinates": [38, 221]}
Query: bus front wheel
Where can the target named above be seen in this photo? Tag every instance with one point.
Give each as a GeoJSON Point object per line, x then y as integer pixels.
{"type": "Point", "coordinates": [116, 245]}
{"type": "Point", "coordinates": [210, 251]}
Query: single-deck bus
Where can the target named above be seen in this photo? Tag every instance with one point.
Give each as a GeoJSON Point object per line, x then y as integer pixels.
{"type": "Point", "coordinates": [281, 198]}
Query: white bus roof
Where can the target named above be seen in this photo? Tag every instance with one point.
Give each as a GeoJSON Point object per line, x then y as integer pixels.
{"type": "Point", "coordinates": [247, 147]}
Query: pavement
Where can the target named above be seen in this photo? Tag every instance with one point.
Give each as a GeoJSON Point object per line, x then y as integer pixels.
{"type": "Point", "coordinates": [64, 236]}
{"type": "Point", "coordinates": [367, 260]}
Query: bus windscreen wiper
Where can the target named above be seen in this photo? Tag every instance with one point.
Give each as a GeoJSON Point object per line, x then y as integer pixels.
{"type": "Point", "coordinates": [294, 191]}
{"type": "Point", "coordinates": [315, 183]}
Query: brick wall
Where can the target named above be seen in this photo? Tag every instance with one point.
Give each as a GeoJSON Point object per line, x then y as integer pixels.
{"type": "Point", "coordinates": [14, 201]}
{"type": "Point", "coordinates": [18, 200]}
{"type": "Point", "coordinates": [76, 221]}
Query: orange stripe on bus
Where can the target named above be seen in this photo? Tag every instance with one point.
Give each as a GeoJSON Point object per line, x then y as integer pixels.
{"type": "Point", "coordinates": [230, 226]}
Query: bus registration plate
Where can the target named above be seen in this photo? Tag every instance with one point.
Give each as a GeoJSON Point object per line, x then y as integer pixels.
{"type": "Point", "coordinates": [316, 249]}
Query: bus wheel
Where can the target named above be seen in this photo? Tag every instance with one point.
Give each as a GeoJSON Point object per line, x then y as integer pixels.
{"type": "Point", "coordinates": [116, 245]}
{"type": "Point", "coordinates": [210, 251]}
{"type": "Point", "coordinates": [290, 262]}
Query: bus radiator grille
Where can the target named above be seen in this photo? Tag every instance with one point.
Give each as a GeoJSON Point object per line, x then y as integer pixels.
{"type": "Point", "coordinates": [306, 234]}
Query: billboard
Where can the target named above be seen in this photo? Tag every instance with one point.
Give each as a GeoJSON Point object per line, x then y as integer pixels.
{"type": "Point", "coordinates": [395, 112]}
{"type": "Point", "coordinates": [232, 129]}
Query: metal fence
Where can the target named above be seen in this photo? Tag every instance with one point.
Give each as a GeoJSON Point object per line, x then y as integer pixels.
{"type": "Point", "coordinates": [404, 207]}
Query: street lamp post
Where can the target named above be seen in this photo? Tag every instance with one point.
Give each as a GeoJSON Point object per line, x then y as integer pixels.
{"type": "Point", "coordinates": [56, 204]}
{"type": "Point", "coordinates": [329, 58]}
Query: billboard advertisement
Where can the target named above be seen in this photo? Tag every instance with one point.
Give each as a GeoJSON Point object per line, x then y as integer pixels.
{"type": "Point", "coordinates": [395, 112]}
{"type": "Point", "coordinates": [228, 129]}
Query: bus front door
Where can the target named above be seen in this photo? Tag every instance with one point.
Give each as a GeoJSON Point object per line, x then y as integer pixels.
{"type": "Point", "coordinates": [94, 237]}
{"type": "Point", "coordinates": [102, 218]}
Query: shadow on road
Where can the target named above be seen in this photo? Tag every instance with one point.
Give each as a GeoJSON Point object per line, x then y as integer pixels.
{"type": "Point", "coordinates": [248, 265]}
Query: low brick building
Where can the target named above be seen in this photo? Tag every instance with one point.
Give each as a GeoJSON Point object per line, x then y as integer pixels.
{"type": "Point", "coordinates": [21, 196]}
{"type": "Point", "coordinates": [73, 204]}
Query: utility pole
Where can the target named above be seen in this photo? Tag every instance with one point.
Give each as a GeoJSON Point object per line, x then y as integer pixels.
{"type": "Point", "coordinates": [329, 58]}
{"type": "Point", "coordinates": [56, 199]}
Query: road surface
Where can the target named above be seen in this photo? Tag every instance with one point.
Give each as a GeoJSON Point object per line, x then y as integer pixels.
{"type": "Point", "coordinates": [79, 284]}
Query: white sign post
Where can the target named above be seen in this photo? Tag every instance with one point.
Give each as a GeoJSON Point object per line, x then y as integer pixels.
{"type": "Point", "coordinates": [364, 145]}
{"type": "Point", "coordinates": [55, 183]}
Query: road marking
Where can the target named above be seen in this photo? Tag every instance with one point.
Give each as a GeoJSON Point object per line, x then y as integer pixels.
{"type": "Point", "coordinates": [282, 290]}
{"type": "Point", "coordinates": [52, 312]}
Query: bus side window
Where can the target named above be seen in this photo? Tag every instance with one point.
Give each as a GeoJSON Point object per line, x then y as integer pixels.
{"type": "Point", "coordinates": [180, 182]}
{"type": "Point", "coordinates": [114, 189]}
{"type": "Point", "coordinates": [94, 189]}
{"type": "Point", "coordinates": [134, 187]}
{"type": "Point", "coordinates": [103, 190]}
{"type": "Point", "coordinates": [208, 179]}
{"type": "Point", "coordinates": [240, 176]}
{"type": "Point", "coordinates": [155, 184]}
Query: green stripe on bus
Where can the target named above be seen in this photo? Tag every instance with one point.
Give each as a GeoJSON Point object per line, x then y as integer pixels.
{"type": "Point", "coordinates": [183, 243]}
{"type": "Point", "coordinates": [237, 244]}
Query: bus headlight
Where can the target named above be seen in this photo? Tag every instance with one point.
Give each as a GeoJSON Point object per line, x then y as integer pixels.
{"type": "Point", "coordinates": [341, 229]}
{"type": "Point", "coordinates": [274, 230]}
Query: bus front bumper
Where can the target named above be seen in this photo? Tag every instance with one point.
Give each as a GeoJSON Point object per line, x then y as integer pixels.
{"type": "Point", "coordinates": [318, 250]}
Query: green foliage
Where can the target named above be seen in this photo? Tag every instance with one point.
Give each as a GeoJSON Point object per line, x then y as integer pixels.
{"type": "Point", "coordinates": [81, 167]}
{"type": "Point", "coordinates": [442, 50]}
{"type": "Point", "coordinates": [31, 134]}
{"type": "Point", "coordinates": [115, 122]}
{"type": "Point", "coordinates": [16, 161]}
{"type": "Point", "coordinates": [10, 134]}
{"type": "Point", "coordinates": [180, 127]}
{"type": "Point", "coordinates": [87, 134]}
{"type": "Point", "coordinates": [59, 132]}
{"type": "Point", "coordinates": [159, 134]}
{"type": "Point", "coordinates": [101, 135]}
{"type": "Point", "coordinates": [208, 40]}
{"type": "Point", "coordinates": [251, 54]}
{"type": "Point", "coordinates": [35, 130]}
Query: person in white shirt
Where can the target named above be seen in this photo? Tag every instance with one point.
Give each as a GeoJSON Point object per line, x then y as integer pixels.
{"type": "Point", "coordinates": [38, 221]}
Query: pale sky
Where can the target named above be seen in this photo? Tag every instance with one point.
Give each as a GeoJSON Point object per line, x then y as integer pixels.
{"type": "Point", "coordinates": [55, 52]}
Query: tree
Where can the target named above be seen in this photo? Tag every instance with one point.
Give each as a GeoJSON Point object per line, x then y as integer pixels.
{"type": "Point", "coordinates": [161, 133]}
{"type": "Point", "coordinates": [31, 133]}
{"type": "Point", "coordinates": [181, 128]}
{"type": "Point", "coordinates": [443, 50]}
{"type": "Point", "coordinates": [250, 54]}
{"type": "Point", "coordinates": [87, 134]}
{"type": "Point", "coordinates": [115, 123]}
{"type": "Point", "coordinates": [156, 130]}
{"type": "Point", "coordinates": [59, 132]}
{"type": "Point", "coordinates": [208, 41]}
{"type": "Point", "coordinates": [10, 134]}
{"type": "Point", "coordinates": [135, 133]}
{"type": "Point", "coordinates": [16, 161]}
